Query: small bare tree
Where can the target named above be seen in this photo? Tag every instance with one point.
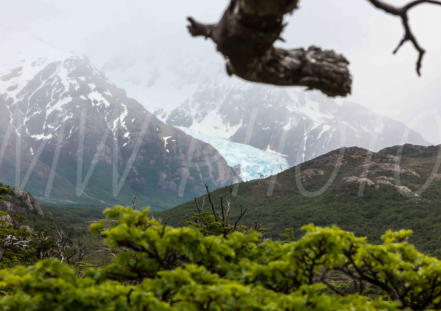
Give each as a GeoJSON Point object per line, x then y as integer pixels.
{"type": "Point", "coordinates": [12, 237]}
{"type": "Point", "coordinates": [218, 219]}
{"type": "Point", "coordinates": [67, 250]}
{"type": "Point", "coordinates": [11, 241]}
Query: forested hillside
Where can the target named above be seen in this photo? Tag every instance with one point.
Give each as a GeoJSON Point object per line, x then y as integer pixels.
{"type": "Point", "coordinates": [360, 191]}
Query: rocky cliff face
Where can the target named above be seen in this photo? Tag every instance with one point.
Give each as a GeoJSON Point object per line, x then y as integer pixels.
{"type": "Point", "coordinates": [16, 201]}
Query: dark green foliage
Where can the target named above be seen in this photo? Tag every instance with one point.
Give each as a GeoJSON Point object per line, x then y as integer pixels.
{"type": "Point", "coordinates": [74, 223]}
{"type": "Point", "coordinates": [216, 218]}
{"type": "Point", "coordinates": [4, 190]}
{"type": "Point", "coordinates": [62, 233]}
{"type": "Point", "coordinates": [17, 245]}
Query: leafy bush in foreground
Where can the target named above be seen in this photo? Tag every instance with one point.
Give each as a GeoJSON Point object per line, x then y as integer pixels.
{"type": "Point", "coordinates": [158, 267]}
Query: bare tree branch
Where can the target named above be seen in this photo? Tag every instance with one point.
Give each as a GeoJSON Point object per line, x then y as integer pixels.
{"type": "Point", "coordinates": [243, 212]}
{"type": "Point", "coordinates": [134, 202]}
{"type": "Point", "coordinates": [402, 12]}
{"type": "Point", "coordinates": [213, 209]}
{"type": "Point", "coordinates": [248, 29]}
{"type": "Point", "coordinates": [222, 210]}
{"type": "Point", "coordinates": [198, 208]}
{"type": "Point", "coordinates": [197, 29]}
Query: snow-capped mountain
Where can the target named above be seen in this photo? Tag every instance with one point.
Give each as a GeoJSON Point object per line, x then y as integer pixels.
{"type": "Point", "coordinates": [168, 81]}
{"type": "Point", "coordinates": [198, 95]}
{"type": "Point", "coordinates": [68, 134]}
{"type": "Point", "coordinates": [300, 125]}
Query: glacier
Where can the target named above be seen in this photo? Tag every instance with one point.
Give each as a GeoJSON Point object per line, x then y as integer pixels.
{"type": "Point", "coordinates": [254, 163]}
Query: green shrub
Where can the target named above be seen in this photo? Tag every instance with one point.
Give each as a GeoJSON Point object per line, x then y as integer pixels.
{"type": "Point", "coordinates": [4, 191]}
{"type": "Point", "coordinates": [158, 267]}
{"type": "Point", "coordinates": [16, 245]}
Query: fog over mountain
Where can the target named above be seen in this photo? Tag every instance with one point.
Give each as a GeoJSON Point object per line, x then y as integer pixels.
{"type": "Point", "coordinates": [192, 92]}
{"type": "Point", "coordinates": [147, 51]}
{"type": "Point", "coordinates": [130, 32]}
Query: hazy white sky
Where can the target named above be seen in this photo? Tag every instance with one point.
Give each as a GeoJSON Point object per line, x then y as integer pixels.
{"type": "Point", "coordinates": [387, 84]}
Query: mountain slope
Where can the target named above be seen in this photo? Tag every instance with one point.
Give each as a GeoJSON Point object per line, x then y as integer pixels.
{"type": "Point", "coordinates": [428, 121]}
{"type": "Point", "coordinates": [68, 135]}
{"type": "Point", "coordinates": [369, 194]}
{"type": "Point", "coordinates": [300, 125]}
{"type": "Point", "coordinates": [193, 91]}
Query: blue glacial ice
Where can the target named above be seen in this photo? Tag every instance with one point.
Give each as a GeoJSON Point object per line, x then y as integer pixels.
{"type": "Point", "coordinates": [254, 163]}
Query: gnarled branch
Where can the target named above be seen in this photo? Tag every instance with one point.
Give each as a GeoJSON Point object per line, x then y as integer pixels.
{"type": "Point", "coordinates": [247, 31]}
{"type": "Point", "coordinates": [245, 35]}
{"type": "Point", "coordinates": [402, 12]}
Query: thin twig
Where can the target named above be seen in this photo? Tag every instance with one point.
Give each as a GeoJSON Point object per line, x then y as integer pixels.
{"type": "Point", "coordinates": [197, 206]}
{"type": "Point", "coordinates": [402, 12]}
{"type": "Point", "coordinates": [213, 209]}
{"type": "Point", "coordinates": [242, 213]}
{"type": "Point", "coordinates": [222, 210]}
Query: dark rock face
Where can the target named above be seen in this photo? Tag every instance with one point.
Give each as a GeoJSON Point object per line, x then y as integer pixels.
{"type": "Point", "coordinates": [68, 135]}
{"type": "Point", "coordinates": [16, 201]}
